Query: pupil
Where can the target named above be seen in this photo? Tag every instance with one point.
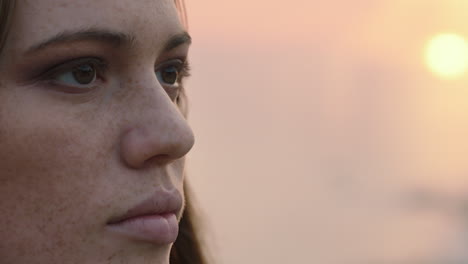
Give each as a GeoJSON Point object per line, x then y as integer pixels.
{"type": "Point", "coordinates": [84, 74]}
{"type": "Point", "coordinates": [170, 75]}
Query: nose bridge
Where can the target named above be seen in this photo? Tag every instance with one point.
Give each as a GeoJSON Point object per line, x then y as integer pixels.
{"type": "Point", "coordinates": [158, 131]}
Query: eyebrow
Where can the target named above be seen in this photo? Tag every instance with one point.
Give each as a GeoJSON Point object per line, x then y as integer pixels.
{"type": "Point", "coordinates": [107, 36]}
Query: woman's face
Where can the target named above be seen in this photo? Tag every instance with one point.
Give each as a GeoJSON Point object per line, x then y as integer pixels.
{"type": "Point", "coordinates": [89, 128]}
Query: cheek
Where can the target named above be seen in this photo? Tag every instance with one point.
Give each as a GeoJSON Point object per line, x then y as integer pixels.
{"type": "Point", "coordinates": [50, 163]}
{"type": "Point", "coordinates": [48, 149]}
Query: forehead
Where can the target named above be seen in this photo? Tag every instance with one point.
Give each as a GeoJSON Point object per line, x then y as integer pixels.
{"type": "Point", "coordinates": [148, 20]}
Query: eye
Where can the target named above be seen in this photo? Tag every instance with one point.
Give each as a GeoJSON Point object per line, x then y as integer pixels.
{"type": "Point", "coordinates": [76, 76]}
{"type": "Point", "coordinates": [168, 75]}
{"type": "Point", "coordinates": [172, 73]}
{"type": "Point", "coordinates": [80, 75]}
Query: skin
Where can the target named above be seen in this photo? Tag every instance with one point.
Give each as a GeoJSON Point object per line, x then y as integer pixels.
{"type": "Point", "coordinates": [71, 161]}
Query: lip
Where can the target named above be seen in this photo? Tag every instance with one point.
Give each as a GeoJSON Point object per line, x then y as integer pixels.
{"type": "Point", "coordinates": [154, 220]}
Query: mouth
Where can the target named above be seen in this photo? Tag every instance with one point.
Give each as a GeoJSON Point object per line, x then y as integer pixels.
{"type": "Point", "coordinates": [153, 220]}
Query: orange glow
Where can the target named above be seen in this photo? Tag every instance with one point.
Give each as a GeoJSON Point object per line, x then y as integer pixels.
{"type": "Point", "coordinates": [315, 119]}
{"type": "Point", "coordinates": [447, 55]}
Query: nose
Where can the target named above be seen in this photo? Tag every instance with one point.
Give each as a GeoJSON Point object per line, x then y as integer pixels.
{"type": "Point", "coordinates": [160, 133]}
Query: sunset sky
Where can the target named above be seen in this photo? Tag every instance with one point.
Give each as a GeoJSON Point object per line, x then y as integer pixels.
{"type": "Point", "coordinates": [323, 135]}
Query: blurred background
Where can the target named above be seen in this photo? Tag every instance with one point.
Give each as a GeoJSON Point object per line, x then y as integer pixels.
{"type": "Point", "coordinates": [331, 131]}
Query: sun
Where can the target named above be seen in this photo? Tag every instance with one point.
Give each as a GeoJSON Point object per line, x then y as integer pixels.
{"type": "Point", "coordinates": [447, 55]}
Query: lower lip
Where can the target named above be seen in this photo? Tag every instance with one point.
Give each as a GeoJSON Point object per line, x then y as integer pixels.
{"type": "Point", "coordinates": [158, 229]}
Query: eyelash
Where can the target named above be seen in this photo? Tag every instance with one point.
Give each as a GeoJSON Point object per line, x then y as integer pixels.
{"type": "Point", "coordinates": [185, 70]}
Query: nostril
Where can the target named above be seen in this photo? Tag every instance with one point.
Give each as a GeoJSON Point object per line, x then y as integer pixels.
{"type": "Point", "coordinates": [159, 159]}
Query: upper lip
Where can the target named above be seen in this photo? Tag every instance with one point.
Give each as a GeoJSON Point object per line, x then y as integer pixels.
{"type": "Point", "coordinates": [161, 202]}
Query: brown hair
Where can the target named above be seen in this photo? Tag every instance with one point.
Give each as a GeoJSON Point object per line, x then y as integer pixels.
{"type": "Point", "coordinates": [6, 12]}
{"type": "Point", "coordinates": [187, 249]}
